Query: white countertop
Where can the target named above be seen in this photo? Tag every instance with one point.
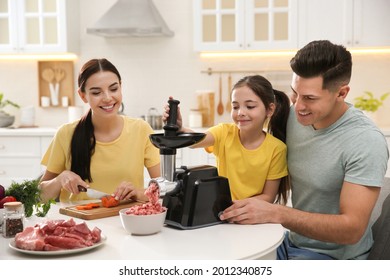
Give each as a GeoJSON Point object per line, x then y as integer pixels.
{"type": "Point", "coordinates": [218, 242]}
{"type": "Point", "coordinates": [30, 131]}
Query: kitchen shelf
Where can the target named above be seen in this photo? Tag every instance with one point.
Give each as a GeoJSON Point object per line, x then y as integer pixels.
{"type": "Point", "coordinates": [55, 77]}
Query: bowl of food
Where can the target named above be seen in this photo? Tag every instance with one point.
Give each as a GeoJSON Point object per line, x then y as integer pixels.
{"type": "Point", "coordinates": [147, 218]}
{"type": "Point", "coordinates": [145, 224]}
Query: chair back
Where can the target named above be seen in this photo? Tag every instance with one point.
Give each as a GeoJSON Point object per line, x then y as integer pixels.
{"type": "Point", "coordinates": [381, 227]}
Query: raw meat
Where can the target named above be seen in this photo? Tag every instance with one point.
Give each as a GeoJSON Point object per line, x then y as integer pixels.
{"type": "Point", "coordinates": [57, 235]}
{"type": "Point", "coordinates": [151, 207]}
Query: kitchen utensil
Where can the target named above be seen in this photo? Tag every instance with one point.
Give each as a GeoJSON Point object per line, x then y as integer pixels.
{"type": "Point", "coordinates": [48, 75]}
{"type": "Point", "coordinates": [154, 119]}
{"type": "Point", "coordinates": [92, 193]}
{"type": "Point", "coordinates": [99, 212]}
{"type": "Point", "coordinates": [142, 224]}
{"type": "Point", "coordinates": [229, 101]}
{"type": "Point", "coordinates": [220, 104]}
{"type": "Point", "coordinates": [206, 105]}
{"type": "Point", "coordinates": [199, 194]}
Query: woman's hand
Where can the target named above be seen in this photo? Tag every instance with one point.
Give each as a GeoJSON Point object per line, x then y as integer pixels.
{"type": "Point", "coordinates": [127, 191]}
{"type": "Point", "coordinates": [70, 181]}
{"type": "Point", "coordinates": [165, 115]}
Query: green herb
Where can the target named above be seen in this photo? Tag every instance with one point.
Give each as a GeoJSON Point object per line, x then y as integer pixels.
{"type": "Point", "coordinates": [28, 193]}
{"type": "Point", "coordinates": [43, 208]}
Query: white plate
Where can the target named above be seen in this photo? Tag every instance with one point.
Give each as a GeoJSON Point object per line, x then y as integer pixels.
{"type": "Point", "coordinates": [60, 252]}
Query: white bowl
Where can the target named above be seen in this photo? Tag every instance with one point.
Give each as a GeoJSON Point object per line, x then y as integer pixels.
{"type": "Point", "coordinates": [142, 224]}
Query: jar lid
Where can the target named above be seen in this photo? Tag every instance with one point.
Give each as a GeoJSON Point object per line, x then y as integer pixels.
{"type": "Point", "coordinates": [12, 205]}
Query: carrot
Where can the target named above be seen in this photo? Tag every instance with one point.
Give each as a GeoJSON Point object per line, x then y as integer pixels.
{"type": "Point", "coordinates": [109, 201]}
{"type": "Point", "coordinates": [88, 206]}
{"type": "Point", "coordinates": [83, 207]}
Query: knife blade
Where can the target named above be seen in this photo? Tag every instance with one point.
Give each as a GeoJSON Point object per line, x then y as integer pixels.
{"type": "Point", "coordinates": [92, 193]}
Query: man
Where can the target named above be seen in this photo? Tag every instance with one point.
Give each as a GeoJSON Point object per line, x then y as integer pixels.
{"type": "Point", "coordinates": [337, 161]}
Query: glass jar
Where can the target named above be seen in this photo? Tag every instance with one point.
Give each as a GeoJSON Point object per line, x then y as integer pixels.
{"type": "Point", "coordinates": [13, 218]}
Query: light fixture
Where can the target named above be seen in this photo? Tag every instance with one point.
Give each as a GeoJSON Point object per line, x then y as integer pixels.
{"type": "Point", "coordinates": [290, 53]}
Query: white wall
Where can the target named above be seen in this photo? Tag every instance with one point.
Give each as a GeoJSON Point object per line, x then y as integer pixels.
{"type": "Point", "coordinates": [152, 69]}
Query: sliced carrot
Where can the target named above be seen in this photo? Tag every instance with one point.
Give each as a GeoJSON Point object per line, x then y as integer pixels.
{"type": "Point", "coordinates": [83, 207]}
{"type": "Point", "coordinates": [88, 206]}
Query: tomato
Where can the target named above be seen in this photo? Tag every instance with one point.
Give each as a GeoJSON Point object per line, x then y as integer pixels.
{"type": "Point", "coordinates": [7, 199]}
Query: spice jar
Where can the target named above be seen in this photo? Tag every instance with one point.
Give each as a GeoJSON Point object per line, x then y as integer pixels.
{"type": "Point", "coordinates": [13, 218]}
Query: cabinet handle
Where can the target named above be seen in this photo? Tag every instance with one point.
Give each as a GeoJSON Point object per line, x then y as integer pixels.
{"type": "Point", "coordinates": [2, 147]}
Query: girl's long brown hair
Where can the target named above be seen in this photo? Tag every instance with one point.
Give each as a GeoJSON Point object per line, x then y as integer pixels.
{"type": "Point", "coordinates": [278, 122]}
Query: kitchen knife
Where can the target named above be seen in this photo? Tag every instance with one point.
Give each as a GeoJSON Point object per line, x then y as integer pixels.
{"type": "Point", "coordinates": [93, 193]}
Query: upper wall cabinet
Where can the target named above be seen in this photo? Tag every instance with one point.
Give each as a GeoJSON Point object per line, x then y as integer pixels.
{"type": "Point", "coordinates": [39, 26]}
{"type": "Point", "coordinates": [245, 25]}
{"type": "Point", "coordinates": [352, 23]}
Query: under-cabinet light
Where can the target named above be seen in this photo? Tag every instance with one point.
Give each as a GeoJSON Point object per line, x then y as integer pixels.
{"type": "Point", "coordinates": [282, 53]}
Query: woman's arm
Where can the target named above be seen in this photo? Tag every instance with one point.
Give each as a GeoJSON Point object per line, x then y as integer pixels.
{"type": "Point", "coordinates": [154, 171]}
{"type": "Point", "coordinates": [51, 184]}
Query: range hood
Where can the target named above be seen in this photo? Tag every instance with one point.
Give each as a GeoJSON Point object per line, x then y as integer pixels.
{"type": "Point", "coordinates": [134, 18]}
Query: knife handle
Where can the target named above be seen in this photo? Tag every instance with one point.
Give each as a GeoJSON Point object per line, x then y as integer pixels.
{"type": "Point", "coordinates": [81, 188]}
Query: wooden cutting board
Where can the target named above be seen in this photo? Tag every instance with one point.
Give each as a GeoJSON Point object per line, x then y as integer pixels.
{"type": "Point", "coordinates": [97, 213]}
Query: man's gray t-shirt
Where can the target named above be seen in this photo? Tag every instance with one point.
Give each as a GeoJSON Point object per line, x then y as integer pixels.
{"type": "Point", "coordinates": [352, 149]}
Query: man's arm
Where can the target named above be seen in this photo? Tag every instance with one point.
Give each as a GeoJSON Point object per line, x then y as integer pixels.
{"type": "Point", "coordinates": [347, 227]}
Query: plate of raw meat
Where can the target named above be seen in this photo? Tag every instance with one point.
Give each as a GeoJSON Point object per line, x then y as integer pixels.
{"type": "Point", "coordinates": [57, 237]}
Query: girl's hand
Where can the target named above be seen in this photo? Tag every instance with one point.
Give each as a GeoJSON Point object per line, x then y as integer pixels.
{"type": "Point", "coordinates": [127, 191]}
{"type": "Point", "coordinates": [70, 181]}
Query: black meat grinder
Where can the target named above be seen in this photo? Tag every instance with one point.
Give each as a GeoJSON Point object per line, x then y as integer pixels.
{"type": "Point", "coordinates": [199, 194]}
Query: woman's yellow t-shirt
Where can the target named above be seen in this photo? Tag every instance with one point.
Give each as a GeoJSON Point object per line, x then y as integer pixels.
{"type": "Point", "coordinates": [247, 170]}
{"type": "Point", "coordinates": [121, 160]}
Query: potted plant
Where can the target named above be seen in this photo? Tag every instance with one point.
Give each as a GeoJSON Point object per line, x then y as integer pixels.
{"type": "Point", "coordinates": [369, 103]}
{"type": "Point", "coordinates": [6, 119]}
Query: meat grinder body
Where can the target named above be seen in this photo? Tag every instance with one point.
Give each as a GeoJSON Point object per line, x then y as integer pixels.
{"type": "Point", "coordinates": [197, 200]}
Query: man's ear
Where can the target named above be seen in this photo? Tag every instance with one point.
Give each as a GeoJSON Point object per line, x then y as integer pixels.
{"type": "Point", "coordinates": [343, 91]}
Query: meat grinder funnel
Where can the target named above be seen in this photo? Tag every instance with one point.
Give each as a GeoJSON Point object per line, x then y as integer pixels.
{"type": "Point", "coordinates": [171, 140]}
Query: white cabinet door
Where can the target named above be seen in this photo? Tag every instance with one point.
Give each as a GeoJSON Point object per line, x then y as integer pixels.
{"type": "Point", "coordinates": [222, 25]}
{"type": "Point", "coordinates": [37, 26]}
{"type": "Point", "coordinates": [352, 23]}
{"type": "Point", "coordinates": [271, 24]}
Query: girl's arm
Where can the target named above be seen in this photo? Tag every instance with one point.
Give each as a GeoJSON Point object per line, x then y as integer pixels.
{"type": "Point", "coordinates": [270, 191]}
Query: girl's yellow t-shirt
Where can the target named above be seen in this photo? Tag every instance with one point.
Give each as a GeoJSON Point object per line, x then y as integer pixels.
{"type": "Point", "coordinates": [247, 170]}
{"type": "Point", "coordinates": [121, 160]}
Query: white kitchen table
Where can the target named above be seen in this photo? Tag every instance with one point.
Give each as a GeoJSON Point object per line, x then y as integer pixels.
{"type": "Point", "coordinates": [218, 242]}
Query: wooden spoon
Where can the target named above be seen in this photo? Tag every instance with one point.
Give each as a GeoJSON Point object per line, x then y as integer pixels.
{"type": "Point", "coordinates": [229, 102]}
{"type": "Point", "coordinates": [220, 105]}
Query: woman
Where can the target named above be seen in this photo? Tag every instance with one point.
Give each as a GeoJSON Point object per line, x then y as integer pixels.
{"type": "Point", "coordinates": [102, 150]}
{"type": "Point", "coordinates": [253, 160]}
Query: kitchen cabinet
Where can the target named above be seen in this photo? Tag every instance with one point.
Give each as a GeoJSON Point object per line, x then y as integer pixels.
{"type": "Point", "coordinates": [21, 151]}
{"type": "Point", "coordinates": [352, 23]}
{"type": "Point", "coordinates": [223, 25]}
{"type": "Point", "coordinates": [39, 26]}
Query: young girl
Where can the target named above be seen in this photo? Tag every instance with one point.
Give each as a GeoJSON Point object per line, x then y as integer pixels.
{"type": "Point", "coordinates": [103, 150]}
{"type": "Point", "coordinates": [253, 160]}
